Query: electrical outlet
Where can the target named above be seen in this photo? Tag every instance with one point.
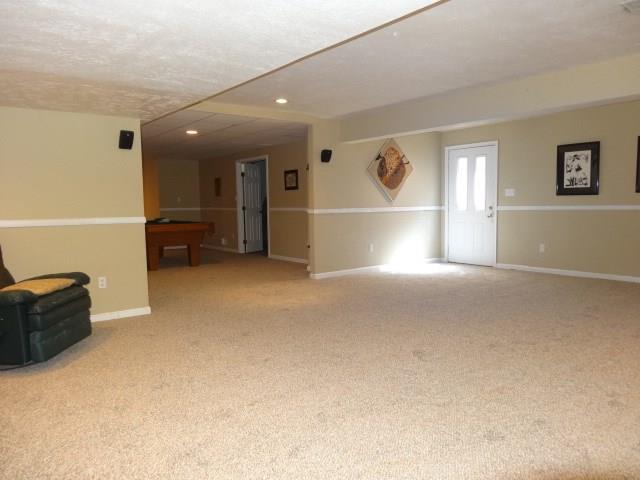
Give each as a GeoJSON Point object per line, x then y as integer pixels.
{"type": "Point", "coordinates": [223, 241]}
{"type": "Point", "coordinates": [371, 248]}
{"type": "Point", "coordinates": [179, 199]}
{"type": "Point", "coordinates": [509, 192]}
{"type": "Point", "coordinates": [541, 248]}
{"type": "Point", "coordinates": [102, 282]}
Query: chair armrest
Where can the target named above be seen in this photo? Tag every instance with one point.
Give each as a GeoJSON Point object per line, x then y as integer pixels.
{"type": "Point", "coordinates": [16, 297]}
{"type": "Point", "coordinates": [79, 277]}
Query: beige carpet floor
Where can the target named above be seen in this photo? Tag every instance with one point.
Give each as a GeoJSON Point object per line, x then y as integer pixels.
{"type": "Point", "coordinates": [248, 370]}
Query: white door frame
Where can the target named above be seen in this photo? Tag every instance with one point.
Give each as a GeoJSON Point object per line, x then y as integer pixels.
{"type": "Point", "coordinates": [445, 169]}
{"type": "Point", "coordinates": [239, 201]}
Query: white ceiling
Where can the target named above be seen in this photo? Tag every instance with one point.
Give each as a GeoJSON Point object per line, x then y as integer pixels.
{"type": "Point", "coordinates": [145, 58]}
{"type": "Point", "coordinates": [458, 44]}
{"type": "Point", "coordinates": [218, 134]}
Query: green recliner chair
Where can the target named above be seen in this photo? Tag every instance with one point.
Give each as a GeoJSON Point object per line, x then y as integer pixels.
{"type": "Point", "coordinates": [37, 327]}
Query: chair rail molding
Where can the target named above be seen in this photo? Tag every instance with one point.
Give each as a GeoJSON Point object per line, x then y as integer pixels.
{"type": "Point", "coordinates": [70, 222]}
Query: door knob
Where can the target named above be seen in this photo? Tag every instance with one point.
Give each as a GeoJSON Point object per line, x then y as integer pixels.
{"type": "Point", "coordinates": [490, 213]}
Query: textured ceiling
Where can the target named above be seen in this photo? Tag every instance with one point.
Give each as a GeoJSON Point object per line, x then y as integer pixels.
{"type": "Point", "coordinates": [218, 134]}
{"type": "Point", "coordinates": [146, 58]}
{"type": "Point", "coordinates": [458, 44]}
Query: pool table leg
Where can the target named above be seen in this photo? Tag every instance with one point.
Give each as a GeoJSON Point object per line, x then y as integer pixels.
{"type": "Point", "coordinates": [153, 257]}
{"type": "Point", "coordinates": [194, 253]}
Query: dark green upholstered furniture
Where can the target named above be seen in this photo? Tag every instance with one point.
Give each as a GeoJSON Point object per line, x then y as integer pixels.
{"type": "Point", "coordinates": [35, 328]}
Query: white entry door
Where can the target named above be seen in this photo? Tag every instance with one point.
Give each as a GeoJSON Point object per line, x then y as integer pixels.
{"type": "Point", "coordinates": [472, 199]}
{"type": "Point", "coordinates": [253, 196]}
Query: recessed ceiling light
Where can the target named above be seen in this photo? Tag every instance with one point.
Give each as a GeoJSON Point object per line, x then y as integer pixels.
{"type": "Point", "coordinates": [395, 34]}
{"type": "Point", "coordinates": [281, 100]}
{"type": "Point", "coordinates": [191, 132]}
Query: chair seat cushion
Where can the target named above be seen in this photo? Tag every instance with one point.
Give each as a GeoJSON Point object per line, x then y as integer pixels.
{"type": "Point", "coordinates": [56, 299]}
{"type": "Point", "coordinates": [41, 287]}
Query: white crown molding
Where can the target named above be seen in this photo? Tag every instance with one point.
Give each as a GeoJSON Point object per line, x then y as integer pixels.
{"type": "Point", "coordinates": [69, 222]}
{"type": "Point", "coordinates": [289, 259]}
{"type": "Point", "coordinates": [569, 273]}
{"type": "Point", "coordinates": [132, 312]}
{"type": "Point", "coordinates": [561, 208]}
{"type": "Point", "coordinates": [330, 211]}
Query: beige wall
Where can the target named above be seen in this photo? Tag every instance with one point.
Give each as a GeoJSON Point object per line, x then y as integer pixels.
{"type": "Point", "coordinates": [57, 165]}
{"type": "Point", "coordinates": [593, 241]}
{"type": "Point", "coordinates": [150, 186]}
{"type": "Point", "coordinates": [113, 251]}
{"type": "Point", "coordinates": [179, 188]}
{"type": "Point", "coordinates": [401, 239]}
{"type": "Point", "coordinates": [288, 229]}
{"type": "Point", "coordinates": [613, 80]}
{"type": "Point", "coordinates": [344, 240]}
{"type": "Point", "coordinates": [590, 241]}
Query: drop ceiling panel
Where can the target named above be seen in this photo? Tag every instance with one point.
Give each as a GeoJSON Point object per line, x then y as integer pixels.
{"type": "Point", "coordinates": [218, 134]}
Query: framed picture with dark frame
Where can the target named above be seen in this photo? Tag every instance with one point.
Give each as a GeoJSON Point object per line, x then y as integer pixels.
{"type": "Point", "coordinates": [638, 169]}
{"type": "Point", "coordinates": [291, 179]}
{"type": "Point", "coordinates": [578, 169]}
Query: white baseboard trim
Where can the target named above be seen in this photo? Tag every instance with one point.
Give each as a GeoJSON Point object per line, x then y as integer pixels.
{"type": "Point", "coordinates": [220, 248]}
{"type": "Point", "coordinates": [348, 271]}
{"type": "Point", "coordinates": [370, 269]}
{"type": "Point", "coordinates": [289, 259]}
{"type": "Point", "coordinates": [569, 273]}
{"type": "Point", "coordinates": [132, 312]}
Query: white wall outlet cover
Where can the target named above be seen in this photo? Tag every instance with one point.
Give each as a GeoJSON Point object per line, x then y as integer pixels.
{"type": "Point", "coordinates": [371, 248]}
{"type": "Point", "coordinates": [102, 282]}
{"type": "Point", "coordinates": [223, 241]}
{"type": "Point", "coordinates": [509, 192]}
{"type": "Point", "coordinates": [541, 248]}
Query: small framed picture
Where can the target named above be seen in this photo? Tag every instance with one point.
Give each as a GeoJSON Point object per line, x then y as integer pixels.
{"type": "Point", "coordinates": [638, 169]}
{"type": "Point", "coordinates": [578, 169]}
{"type": "Point", "coordinates": [291, 179]}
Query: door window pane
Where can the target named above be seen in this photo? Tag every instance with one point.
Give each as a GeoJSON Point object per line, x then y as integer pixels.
{"type": "Point", "coordinates": [461, 184]}
{"type": "Point", "coordinates": [479, 183]}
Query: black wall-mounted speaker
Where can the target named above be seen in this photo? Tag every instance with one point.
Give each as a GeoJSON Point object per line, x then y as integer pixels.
{"type": "Point", "coordinates": [126, 139]}
{"type": "Point", "coordinates": [325, 156]}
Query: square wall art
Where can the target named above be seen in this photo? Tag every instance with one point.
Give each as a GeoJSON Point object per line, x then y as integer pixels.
{"type": "Point", "coordinates": [578, 168]}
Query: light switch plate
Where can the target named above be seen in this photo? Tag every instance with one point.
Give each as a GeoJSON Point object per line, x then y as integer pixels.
{"type": "Point", "coordinates": [509, 192]}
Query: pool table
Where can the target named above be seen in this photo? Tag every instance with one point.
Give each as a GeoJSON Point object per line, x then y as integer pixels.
{"type": "Point", "coordinates": [174, 233]}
